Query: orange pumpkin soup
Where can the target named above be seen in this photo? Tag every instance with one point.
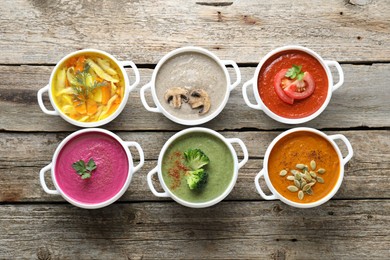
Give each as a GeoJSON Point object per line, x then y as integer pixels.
{"type": "Point", "coordinates": [303, 159]}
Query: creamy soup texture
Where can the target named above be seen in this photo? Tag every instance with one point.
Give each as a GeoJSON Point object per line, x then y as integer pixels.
{"type": "Point", "coordinates": [108, 178]}
{"type": "Point", "coordinates": [220, 168]}
{"type": "Point", "coordinates": [191, 70]}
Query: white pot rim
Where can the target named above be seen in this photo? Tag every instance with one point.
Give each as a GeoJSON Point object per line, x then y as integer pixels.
{"type": "Point", "coordinates": [116, 196]}
{"type": "Point", "coordinates": [293, 203]}
{"type": "Point", "coordinates": [110, 117]}
{"type": "Point", "coordinates": [277, 117]}
{"type": "Point", "coordinates": [198, 204]}
{"type": "Point", "coordinates": [190, 122]}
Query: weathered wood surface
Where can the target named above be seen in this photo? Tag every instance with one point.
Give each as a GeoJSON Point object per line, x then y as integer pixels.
{"type": "Point", "coordinates": [36, 34]}
{"type": "Point", "coordinates": [42, 32]}
{"type": "Point", "coordinates": [363, 101]}
{"type": "Point", "coordinates": [367, 175]}
{"type": "Point", "coordinates": [247, 230]}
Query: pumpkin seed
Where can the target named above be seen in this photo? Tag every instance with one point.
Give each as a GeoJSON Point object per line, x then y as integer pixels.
{"type": "Point", "coordinates": [307, 176]}
{"type": "Point", "coordinates": [300, 195]}
{"type": "Point", "coordinates": [320, 180]}
{"type": "Point", "coordinates": [306, 187]}
{"type": "Point", "coordinates": [313, 174]}
{"type": "Point", "coordinates": [290, 178]}
{"type": "Point", "coordinates": [311, 184]}
{"type": "Point", "coordinates": [298, 176]}
{"type": "Point", "coordinates": [309, 192]}
{"type": "Point", "coordinates": [283, 173]}
{"type": "Point", "coordinates": [292, 188]}
{"type": "Point", "coordinates": [313, 165]}
{"type": "Point", "coordinates": [321, 171]}
{"type": "Point", "coordinates": [303, 183]}
{"type": "Point", "coordinates": [297, 183]}
{"type": "Point", "coordinates": [294, 172]}
{"type": "Point", "coordinates": [300, 166]}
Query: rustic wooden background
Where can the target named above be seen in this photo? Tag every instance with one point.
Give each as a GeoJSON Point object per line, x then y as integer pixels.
{"type": "Point", "coordinates": [34, 35]}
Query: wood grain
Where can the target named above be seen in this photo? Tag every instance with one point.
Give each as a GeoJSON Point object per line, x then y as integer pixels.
{"type": "Point", "coordinates": [144, 31]}
{"type": "Point", "coordinates": [235, 230]}
{"type": "Point", "coordinates": [367, 175]}
{"type": "Point", "coordinates": [36, 34]}
{"type": "Point", "coordinates": [361, 102]}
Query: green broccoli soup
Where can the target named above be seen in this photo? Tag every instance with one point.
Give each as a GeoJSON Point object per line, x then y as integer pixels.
{"type": "Point", "coordinates": [197, 167]}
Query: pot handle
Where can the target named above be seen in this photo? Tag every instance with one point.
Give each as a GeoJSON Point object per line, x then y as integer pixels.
{"type": "Point", "coordinates": [151, 187]}
{"type": "Point", "coordinates": [136, 73]}
{"type": "Point", "coordinates": [140, 152]}
{"type": "Point", "coordinates": [258, 188]}
{"type": "Point", "coordinates": [339, 70]}
{"type": "Point", "coordinates": [243, 148]}
{"type": "Point", "coordinates": [245, 95]}
{"type": "Point", "coordinates": [143, 99]}
{"type": "Point", "coordinates": [347, 143]}
{"type": "Point", "coordinates": [40, 101]}
{"type": "Point", "coordinates": [237, 70]}
{"type": "Point", "coordinates": [42, 180]}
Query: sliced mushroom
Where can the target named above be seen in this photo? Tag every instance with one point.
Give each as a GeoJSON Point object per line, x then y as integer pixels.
{"type": "Point", "coordinates": [200, 99]}
{"type": "Point", "coordinates": [176, 96]}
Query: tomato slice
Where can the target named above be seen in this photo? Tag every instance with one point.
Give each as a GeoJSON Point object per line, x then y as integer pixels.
{"type": "Point", "coordinates": [308, 86]}
{"type": "Point", "coordinates": [278, 87]}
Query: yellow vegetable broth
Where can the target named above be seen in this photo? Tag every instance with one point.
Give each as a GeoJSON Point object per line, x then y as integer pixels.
{"type": "Point", "coordinates": [95, 100]}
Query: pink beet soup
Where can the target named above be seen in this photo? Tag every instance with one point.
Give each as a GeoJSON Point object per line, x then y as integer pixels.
{"type": "Point", "coordinates": [112, 168]}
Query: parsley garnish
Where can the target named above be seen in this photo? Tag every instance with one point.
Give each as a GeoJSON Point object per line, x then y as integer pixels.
{"type": "Point", "coordinates": [84, 170]}
{"type": "Point", "coordinates": [295, 72]}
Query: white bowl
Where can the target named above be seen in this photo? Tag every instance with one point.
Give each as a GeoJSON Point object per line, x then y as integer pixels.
{"type": "Point", "coordinates": [261, 106]}
{"type": "Point", "coordinates": [57, 111]}
{"type": "Point", "coordinates": [158, 169]}
{"type": "Point", "coordinates": [276, 195]}
{"type": "Point", "coordinates": [52, 166]}
{"type": "Point", "coordinates": [160, 109]}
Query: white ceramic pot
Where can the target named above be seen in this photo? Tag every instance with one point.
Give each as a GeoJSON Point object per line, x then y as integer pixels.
{"type": "Point", "coordinates": [160, 109]}
{"type": "Point", "coordinates": [57, 111]}
{"type": "Point", "coordinates": [52, 167]}
{"type": "Point", "coordinates": [168, 193]}
{"type": "Point", "coordinates": [276, 195]}
{"type": "Point", "coordinates": [259, 105]}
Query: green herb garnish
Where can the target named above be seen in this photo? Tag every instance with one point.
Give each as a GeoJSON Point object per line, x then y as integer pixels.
{"type": "Point", "coordinates": [295, 72]}
{"type": "Point", "coordinates": [85, 84]}
{"type": "Point", "coordinates": [84, 170]}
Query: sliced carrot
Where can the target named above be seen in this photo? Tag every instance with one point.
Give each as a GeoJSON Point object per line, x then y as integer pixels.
{"type": "Point", "coordinates": [91, 107]}
{"type": "Point", "coordinates": [71, 62]}
{"type": "Point", "coordinates": [80, 107]}
{"type": "Point", "coordinates": [112, 109]}
{"type": "Point", "coordinates": [80, 63]}
{"type": "Point", "coordinates": [106, 94]}
{"type": "Point", "coordinates": [117, 100]}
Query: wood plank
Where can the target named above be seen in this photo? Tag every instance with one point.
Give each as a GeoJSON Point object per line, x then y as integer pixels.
{"type": "Point", "coordinates": [361, 101]}
{"type": "Point", "coordinates": [23, 155]}
{"type": "Point", "coordinates": [246, 230]}
{"type": "Point", "coordinates": [146, 30]}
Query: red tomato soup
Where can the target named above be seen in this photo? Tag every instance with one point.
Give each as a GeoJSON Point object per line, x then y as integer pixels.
{"type": "Point", "coordinates": [289, 107]}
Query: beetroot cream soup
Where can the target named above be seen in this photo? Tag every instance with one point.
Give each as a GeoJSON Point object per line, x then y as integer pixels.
{"type": "Point", "coordinates": [106, 180]}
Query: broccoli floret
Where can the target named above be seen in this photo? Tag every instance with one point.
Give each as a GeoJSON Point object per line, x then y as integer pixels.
{"type": "Point", "coordinates": [197, 179]}
{"type": "Point", "coordinates": [196, 158]}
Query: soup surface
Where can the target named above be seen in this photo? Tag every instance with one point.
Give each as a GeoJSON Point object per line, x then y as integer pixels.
{"type": "Point", "coordinates": [302, 147]}
{"type": "Point", "coordinates": [191, 71]}
{"type": "Point", "coordinates": [112, 168]}
{"type": "Point", "coordinates": [220, 168]}
{"type": "Point", "coordinates": [88, 87]}
{"type": "Point", "coordinates": [300, 107]}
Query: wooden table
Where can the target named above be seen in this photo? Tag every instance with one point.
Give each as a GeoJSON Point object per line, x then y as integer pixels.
{"type": "Point", "coordinates": [35, 35]}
